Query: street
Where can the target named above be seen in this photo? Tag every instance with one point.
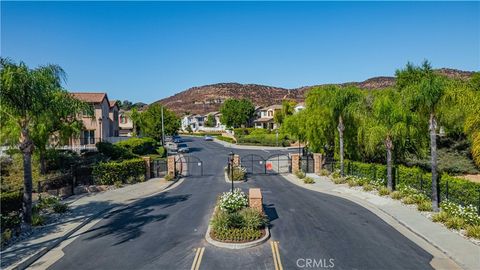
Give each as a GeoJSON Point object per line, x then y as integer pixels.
{"type": "Point", "coordinates": [164, 231]}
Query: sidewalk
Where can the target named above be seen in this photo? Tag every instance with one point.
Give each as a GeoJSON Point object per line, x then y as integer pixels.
{"type": "Point", "coordinates": [83, 208]}
{"type": "Point", "coordinates": [463, 252]}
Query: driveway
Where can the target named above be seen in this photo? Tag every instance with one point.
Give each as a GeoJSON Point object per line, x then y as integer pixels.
{"type": "Point", "coordinates": [164, 231]}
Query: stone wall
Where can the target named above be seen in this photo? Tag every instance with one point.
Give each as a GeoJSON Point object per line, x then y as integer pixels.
{"type": "Point", "coordinates": [295, 162]}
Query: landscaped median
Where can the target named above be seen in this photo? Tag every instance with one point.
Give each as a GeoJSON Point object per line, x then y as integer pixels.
{"type": "Point", "coordinates": [238, 221]}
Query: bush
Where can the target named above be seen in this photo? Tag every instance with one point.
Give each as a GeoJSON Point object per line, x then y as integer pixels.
{"type": "Point", "coordinates": [107, 173]}
{"type": "Point", "coordinates": [161, 151]}
{"type": "Point", "coordinates": [169, 177]}
{"type": "Point", "coordinates": [336, 174]}
{"type": "Point", "coordinates": [300, 174]}
{"type": "Point", "coordinates": [46, 202]}
{"type": "Point", "coordinates": [59, 160]}
{"type": "Point", "coordinates": [38, 220]}
{"type": "Point", "coordinates": [253, 219]}
{"type": "Point", "coordinates": [10, 220]}
{"type": "Point", "coordinates": [425, 206]}
{"type": "Point", "coordinates": [243, 225]}
{"type": "Point", "coordinates": [324, 172]}
{"type": "Point", "coordinates": [397, 195]}
{"type": "Point", "coordinates": [139, 146]}
{"type": "Point", "coordinates": [339, 180]}
{"type": "Point", "coordinates": [6, 236]}
{"type": "Point", "coordinates": [11, 201]}
{"type": "Point", "coordinates": [308, 180]}
{"type": "Point", "coordinates": [238, 173]}
{"type": "Point", "coordinates": [352, 182]}
{"type": "Point", "coordinates": [232, 202]}
{"type": "Point", "coordinates": [409, 200]}
{"type": "Point", "coordinates": [383, 191]}
{"type": "Point", "coordinates": [473, 231]}
{"type": "Point", "coordinates": [237, 234]}
{"type": "Point", "coordinates": [60, 207]}
{"type": "Point", "coordinates": [367, 187]}
{"type": "Point", "coordinates": [113, 151]}
{"type": "Point", "coordinates": [468, 213]}
{"type": "Point", "coordinates": [456, 223]}
{"type": "Point", "coordinates": [264, 139]}
{"type": "Point", "coordinates": [442, 217]}
{"type": "Point", "coordinates": [225, 139]}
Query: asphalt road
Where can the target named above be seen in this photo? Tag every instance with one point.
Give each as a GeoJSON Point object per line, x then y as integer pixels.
{"type": "Point", "coordinates": [163, 232]}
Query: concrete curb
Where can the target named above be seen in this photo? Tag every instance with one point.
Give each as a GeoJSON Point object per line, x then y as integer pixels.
{"type": "Point", "coordinates": [228, 180]}
{"type": "Point", "coordinates": [115, 209]}
{"type": "Point", "coordinates": [235, 245]}
{"type": "Point", "coordinates": [373, 209]}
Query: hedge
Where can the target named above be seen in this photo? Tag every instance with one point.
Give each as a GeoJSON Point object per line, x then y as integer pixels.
{"type": "Point", "coordinates": [225, 139]}
{"type": "Point", "coordinates": [114, 151]}
{"type": "Point", "coordinates": [264, 139]}
{"type": "Point", "coordinates": [127, 171]}
{"type": "Point", "coordinates": [140, 146]}
{"type": "Point", "coordinates": [455, 189]}
{"type": "Point", "coordinates": [11, 201]}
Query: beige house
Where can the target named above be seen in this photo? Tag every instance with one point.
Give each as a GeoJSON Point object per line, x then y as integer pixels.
{"type": "Point", "coordinates": [265, 117]}
{"type": "Point", "coordinates": [125, 124]}
{"type": "Point", "coordinates": [103, 126]}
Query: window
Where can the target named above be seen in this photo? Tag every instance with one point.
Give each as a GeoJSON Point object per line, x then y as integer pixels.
{"type": "Point", "coordinates": [123, 119]}
{"type": "Point", "coordinates": [88, 137]}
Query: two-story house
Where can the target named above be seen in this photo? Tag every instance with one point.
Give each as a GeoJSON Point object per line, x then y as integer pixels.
{"type": "Point", "coordinates": [125, 124]}
{"type": "Point", "coordinates": [102, 125]}
{"type": "Point", "coordinates": [265, 117]}
{"type": "Point", "coordinates": [195, 122]}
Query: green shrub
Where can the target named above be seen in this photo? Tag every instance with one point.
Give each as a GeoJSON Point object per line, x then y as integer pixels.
{"type": "Point", "coordinates": [441, 216]}
{"type": "Point", "coordinates": [468, 213]}
{"type": "Point", "coordinates": [60, 208]}
{"type": "Point", "coordinates": [6, 236]}
{"type": "Point", "coordinates": [139, 146]}
{"type": "Point", "coordinates": [225, 139]}
{"type": "Point", "coordinates": [324, 172]}
{"type": "Point", "coordinates": [367, 187]}
{"type": "Point", "coordinates": [46, 202]}
{"type": "Point", "coordinates": [340, 180]}
{"type": "Point", "coordinates": [264, 139]}
{"type": "Point", "coordinates": [238, 173]}
{"type": "Point", "coordinates": [352, 182]}
{"type": "Point", "coordinates": [113, 151]}
{"type": "Point", "coordinates": [252, 218]}
{"type": "Point", "coordinates": [11, 201]}
{"type": "Point", "coordinates": [456, 223]}
{"type": "Point", "coordinates": [425, 206]}
{"type": "Point", "coordinates": [409, 200]}
{"type": "Point", "coordinates": [383, 191]}
{"type": "Point", "coordinates": [300, 174]}
{"type": "Point", "coordinates": [169, 177]}
{"type": "Point", "coordinates": [161, 151]}
{"type": "Point", "coordinates": [473, 231]}
{"type": "Point", "coordinates": [397, 195]}
{"type": "Point", "coordinates": [118, 184]}
{"type": "Point", "coordinates": [38, 220]}
{"type": "Point", "coordinates": [308, 180]}
{"type": "Point", "coordinates": [10, 220]}
{"type": "Point", "coordinates": [336, 174]}
{"type": "Point", "coordinates": [237, 234]}
{"type": "Point", "coordinates": [59, 160]}
{"type": "Point", "coordinates": [220, 220]}
{"type": "Point", "coordinates": [107, 173]}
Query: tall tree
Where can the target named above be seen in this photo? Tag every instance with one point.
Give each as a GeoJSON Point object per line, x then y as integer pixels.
{"type": "Point", "coordinates": [150, 121]}
{"type": "Point", "coordinates": [288, 107]}
{"type": "Point", "coordinates": [426, 93]}
{"type": "Point", "coordinates": [236, 112]}
{"type": "Point", "coordinates": [210, 122]}
{"type": "Point", "coordinates": [24, 97]}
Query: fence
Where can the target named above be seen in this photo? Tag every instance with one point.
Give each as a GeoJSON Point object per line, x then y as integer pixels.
{"type": "Point", "coordinates": [158, 168]}
{"type": "Point", "coordinates": [451, 189]}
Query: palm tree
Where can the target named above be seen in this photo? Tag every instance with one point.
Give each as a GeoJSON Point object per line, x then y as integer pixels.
{"type": "Point", "coordinates": [386, 123]}
{"type": "Point", "coordinates": [426, 93]}
{"type": "Point", "coordinates": [24, 96]}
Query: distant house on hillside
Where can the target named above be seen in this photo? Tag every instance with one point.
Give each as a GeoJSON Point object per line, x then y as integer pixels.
{"type": "Point", "coordinates": [102, 126]}
{"type": "Point", "coordinates": [265, 117]}
{"type": "Point", "coordinates": [197, 122]}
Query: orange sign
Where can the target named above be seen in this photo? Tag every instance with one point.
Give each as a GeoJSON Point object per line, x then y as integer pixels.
{"type": "Point", "coordinates": [269, 166]}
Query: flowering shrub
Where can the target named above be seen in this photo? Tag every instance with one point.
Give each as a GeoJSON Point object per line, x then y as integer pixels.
{"type": "Point", "coordinates": [468, 213]}
{"type": "Point", "coordinates": [231, 202]}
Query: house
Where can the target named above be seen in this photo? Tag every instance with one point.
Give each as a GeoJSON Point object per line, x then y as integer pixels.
{"type": "Point", "coordinates": [125, 124]}
{"type": "Point", "coordinates": [103, 125]}
{"type": "Point", "coordinates": [299, 107]}
{"type": "Point", "coordinates": [265, 117]}
{"type": "Point", "coordinates": [195, 122]}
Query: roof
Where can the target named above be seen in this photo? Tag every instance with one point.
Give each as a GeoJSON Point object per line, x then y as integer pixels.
{"type": "Point", "coordinates": [300, 104]}
{"type": "Point", "coordinates": [90, 97]}
{"type": "Point", "coordinates": [263, 119]}
{"type": "Point", "coordinates": [274, 107]}
{"type": "Point", "coordinates": [113, 103]}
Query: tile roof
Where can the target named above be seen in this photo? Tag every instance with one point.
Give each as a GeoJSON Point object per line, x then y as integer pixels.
{"type": "Point", "coordinates": [90, 97]}
{"type": "Point", "coordinates": [112, 103]}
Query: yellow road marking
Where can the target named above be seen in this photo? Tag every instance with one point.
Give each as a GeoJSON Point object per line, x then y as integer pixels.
{"type": "Point", "coordinates": [198, 258]}
{"type": "Point", "coordinates": [274, 254]}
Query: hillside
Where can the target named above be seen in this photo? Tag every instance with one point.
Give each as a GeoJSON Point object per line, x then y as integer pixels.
{"type": "Point", "coordinates": [209, 98]}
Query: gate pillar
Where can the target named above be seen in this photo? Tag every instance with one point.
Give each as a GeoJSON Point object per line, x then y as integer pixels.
{"type": "Point", "coordinates": [318, 162]}
{"type": "Point", "coordinates": [236, 160]}
{"type": "Point", "coordinates": [295, 163]}
{"type": "Point", "coordinates": [171, 165]}
{"type": "Point", "coordinates": [147, 167]}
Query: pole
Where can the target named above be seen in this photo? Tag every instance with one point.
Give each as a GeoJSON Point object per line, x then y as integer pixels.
{"type": "Point", "coordinates": [276, 136]}
{"type": "Point", "coordinates": [163, 130]}
{"type": "Point", "coordinates": [231, 172]}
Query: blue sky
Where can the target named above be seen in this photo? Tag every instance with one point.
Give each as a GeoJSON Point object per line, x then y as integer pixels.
{"type": "Point", "coordinates": [145, 51]}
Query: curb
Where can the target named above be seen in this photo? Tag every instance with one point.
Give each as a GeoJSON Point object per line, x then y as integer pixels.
{"type": "Point", "coordinates": [371, 207]}
{"type": "Point", "coordinates": [229, 181]}
{"type": "Point", "coordinates": [115, 209]}
{"type": "Point", "coordinates": [235, 245]}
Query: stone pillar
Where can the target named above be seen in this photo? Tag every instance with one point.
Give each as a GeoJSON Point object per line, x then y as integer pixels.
{"type": "Point", "coordinates": [295, 162]}
{"type": "Point", "coordinates": [147, 167]}
{"type": "Point", "coordinates": [236, 160]}
{"type": "Point", "coordinates": [255, 199]}
{"type": "Point", "coordinates": [318, 162]}
{"type": "Point", "coordinates": [171, 165]}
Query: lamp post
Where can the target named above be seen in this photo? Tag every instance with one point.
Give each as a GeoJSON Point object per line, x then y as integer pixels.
{"type": "Point", "coordinates": [276, 136]}
{"type": "Point", "coordinates": [230, 167]}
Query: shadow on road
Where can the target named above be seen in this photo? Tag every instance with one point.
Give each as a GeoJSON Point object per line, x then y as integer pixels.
{"type": "Point", "coordinates": [271, 213]}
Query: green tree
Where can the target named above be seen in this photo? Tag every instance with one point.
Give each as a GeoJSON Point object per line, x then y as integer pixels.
{"type": "Point", "coordinates": [288, 107]}
{"type": "Point", "coordinates": [210, 121]}
{"type": "Point", "coordinates": [426, 94]}
{"type": "Point", "coordinates": [27, 99]}
{"type": "Point", "coordinates": [237, 112]}
{"type": "Point", "coordinates": [150, 121]}
{"type": "Point", "coordinates": [386, 125]}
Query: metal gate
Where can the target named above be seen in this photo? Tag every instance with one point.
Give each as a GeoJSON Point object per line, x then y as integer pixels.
{"type": "Point", "coordinates": [278, 163]}
{"type": "Point", "coordinates": [307, 163]}
{"type": "Point", "coordinates": [254, 164]}
{"type": "Point", "coordinates": [158, 168]}
{"type": "Point", "coordinates": [188, 165]}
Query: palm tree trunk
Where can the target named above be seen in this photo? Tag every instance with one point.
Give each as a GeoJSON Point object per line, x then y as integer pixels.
{"type": "Point", "coordinates": [433, 150]}
{"type": "Point", "coordinates": [389, 146]}
{"type": "Point", "coordinates": [341, 128]}
{"type": "Point", "coordinates": [26, 146]}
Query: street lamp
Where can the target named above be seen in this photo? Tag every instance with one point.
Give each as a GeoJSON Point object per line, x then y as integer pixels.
{"type": "Point", "coordinates": [276, 136]}
{"type": "Point", "coordinates": [230, 166]}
